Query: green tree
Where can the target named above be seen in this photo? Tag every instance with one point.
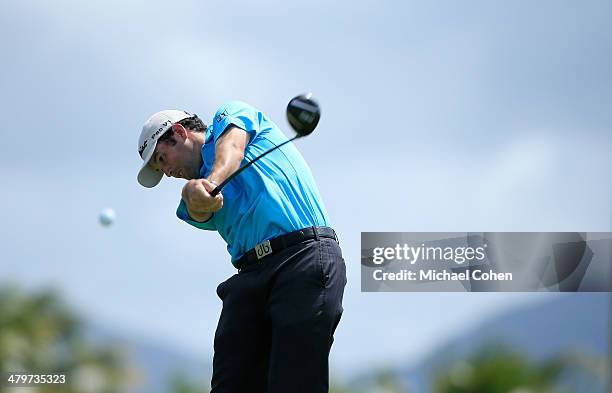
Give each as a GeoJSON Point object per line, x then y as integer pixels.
{"type": "Point", "coordinates": [498, 370]}
{"type": "Point", "coordinates": [39, 335]}
{"type": "Point", "coordinates": [181, 384]}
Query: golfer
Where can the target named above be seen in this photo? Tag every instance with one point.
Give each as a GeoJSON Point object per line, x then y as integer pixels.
{"type": "Point", "coordinates": [281, 308]}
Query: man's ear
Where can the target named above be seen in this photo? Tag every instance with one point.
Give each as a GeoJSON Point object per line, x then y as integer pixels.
{"type": "Point", "coordinates": [179, 130]}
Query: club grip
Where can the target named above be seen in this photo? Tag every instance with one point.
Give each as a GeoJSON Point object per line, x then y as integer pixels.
{"type": "Point", "coordinates": [216, 190]}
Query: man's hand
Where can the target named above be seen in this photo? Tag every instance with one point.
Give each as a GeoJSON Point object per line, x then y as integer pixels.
{"type": "Point", "coordinates": [200, 204]}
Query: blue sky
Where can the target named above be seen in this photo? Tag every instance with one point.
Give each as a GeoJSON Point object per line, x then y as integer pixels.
{"type": "Point", "coordinates": [492, 116]}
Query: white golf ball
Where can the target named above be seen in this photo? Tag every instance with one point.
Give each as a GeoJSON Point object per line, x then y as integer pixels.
{"type": "Point", "coordinates": [107, 217]}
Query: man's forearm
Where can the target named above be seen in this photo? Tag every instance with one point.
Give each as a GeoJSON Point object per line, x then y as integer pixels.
{"type": "Point", "coordinates": [224, 166]}
{"type": "Point", "coordinates": [229, 154]}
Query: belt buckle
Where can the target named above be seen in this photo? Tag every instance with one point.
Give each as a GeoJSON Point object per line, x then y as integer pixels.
{"type": "Point", "coordinates": [263, 249]}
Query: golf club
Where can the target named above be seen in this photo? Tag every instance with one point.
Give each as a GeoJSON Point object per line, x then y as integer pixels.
{"type": "Point", "coordinates": [303, 114]}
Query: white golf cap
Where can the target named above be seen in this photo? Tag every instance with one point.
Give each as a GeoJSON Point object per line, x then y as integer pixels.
{"type": "Point", "coordinates": [153, 128]}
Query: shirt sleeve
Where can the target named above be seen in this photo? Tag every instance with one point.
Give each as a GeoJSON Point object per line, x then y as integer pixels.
{"type": "Point", "coordinates": [181, 213]}
{"type": "Point", "coordinates": [238, 114]}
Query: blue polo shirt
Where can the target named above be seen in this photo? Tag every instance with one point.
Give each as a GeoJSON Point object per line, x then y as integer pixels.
{"type": "Point", "coordinates": [274, 196]}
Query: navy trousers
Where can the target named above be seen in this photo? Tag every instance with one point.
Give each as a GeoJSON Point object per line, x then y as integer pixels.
{"type": "Point", "coordinates": [278, 320]}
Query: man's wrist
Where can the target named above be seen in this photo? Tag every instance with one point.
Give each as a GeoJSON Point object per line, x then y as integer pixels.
{"type": "Point", "coordinates": [199, 216]}
{"type": "Point", "coordinates": [213, 182]}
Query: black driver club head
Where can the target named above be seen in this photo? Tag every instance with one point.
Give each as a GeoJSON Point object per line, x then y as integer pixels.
{"type": "Point", "coordinates": [303, 114]}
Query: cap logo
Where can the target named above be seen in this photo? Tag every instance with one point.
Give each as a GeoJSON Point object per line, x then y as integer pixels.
{"type": "Point", "coordinates": [163, 127]}
{"type": "Point", "coordinates": [141, 148]}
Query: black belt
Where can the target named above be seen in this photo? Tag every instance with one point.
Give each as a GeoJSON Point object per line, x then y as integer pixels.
{"type": "Point", "coordinates": [270, 247]}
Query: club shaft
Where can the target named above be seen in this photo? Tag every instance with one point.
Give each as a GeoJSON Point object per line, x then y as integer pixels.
{"type": "Point", "coordinates": [242, 168]}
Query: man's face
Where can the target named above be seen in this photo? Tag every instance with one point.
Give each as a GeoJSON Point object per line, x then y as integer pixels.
{"type": "Point", "coordinates": [180, 159]}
